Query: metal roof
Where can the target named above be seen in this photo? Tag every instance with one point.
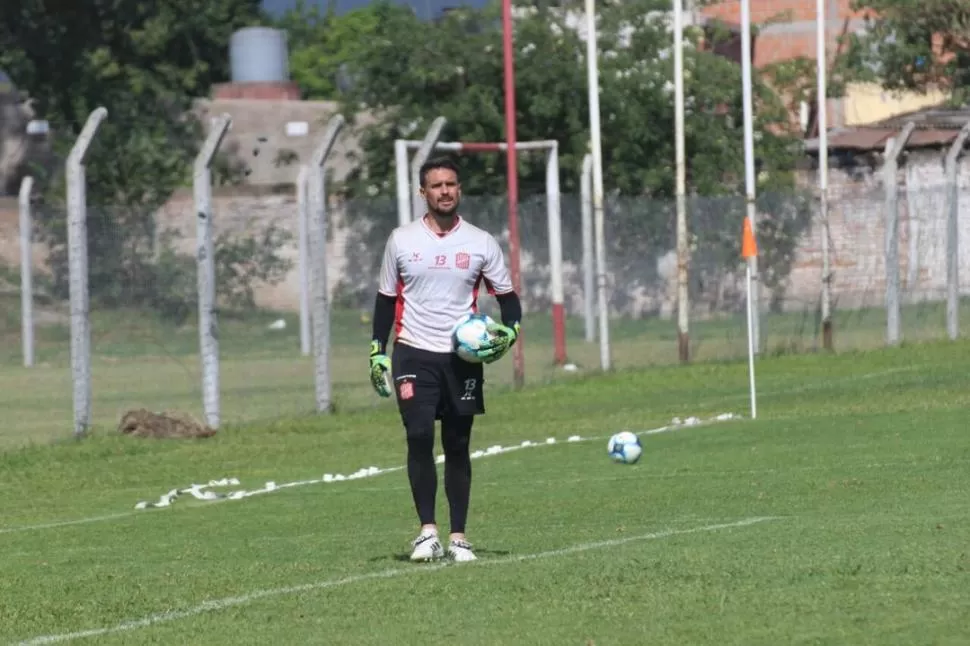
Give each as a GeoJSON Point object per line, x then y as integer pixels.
{"type": "Point", "coordinates": [934, 128]}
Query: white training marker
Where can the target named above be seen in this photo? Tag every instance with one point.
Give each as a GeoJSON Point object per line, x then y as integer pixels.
{"type": "Point", "coordinates": [204, 491]}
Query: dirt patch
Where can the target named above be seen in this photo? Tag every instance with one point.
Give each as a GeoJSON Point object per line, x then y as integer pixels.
{"type": "Point", "coordinates": [168, 424]}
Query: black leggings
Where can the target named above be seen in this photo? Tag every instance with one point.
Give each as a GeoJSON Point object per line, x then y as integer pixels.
{"type": "Point", "coordinates": [422, 472]}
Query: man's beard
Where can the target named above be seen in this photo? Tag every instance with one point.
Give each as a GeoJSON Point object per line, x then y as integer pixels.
{"type": "Point", "coordinates": [451, 211]}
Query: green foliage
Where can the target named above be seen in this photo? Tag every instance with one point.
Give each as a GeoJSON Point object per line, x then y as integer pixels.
{"type": "Point", "coordinates": [915, 45]}
{"type": "Point", "coordinates": [411, 72]}
{"type": "Point", "coordinates": [321, 43]}
{"type": "Point", "coordinates": [146, 63]}
{"type": "Point", "coordinates": [796, 79]}
{"type": "Point", "coordinates": [243, 260]}
{"type": "Point", "coordinates": [454, 69]}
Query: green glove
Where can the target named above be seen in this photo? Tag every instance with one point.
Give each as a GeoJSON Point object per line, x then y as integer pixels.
{"type": "Point", "coordinates": [380, 370]}
{"type": "Point", "coordinates": [503, 337]}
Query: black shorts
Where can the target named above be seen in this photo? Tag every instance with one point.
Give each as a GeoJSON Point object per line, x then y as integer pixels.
{"type": "Point", "coordinates": [435, 379]}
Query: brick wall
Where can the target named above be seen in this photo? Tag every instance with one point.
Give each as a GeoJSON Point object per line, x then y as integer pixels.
{"type": "Point", "coordinates": [858, 233]}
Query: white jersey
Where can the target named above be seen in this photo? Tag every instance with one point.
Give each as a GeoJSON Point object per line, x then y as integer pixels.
{"type": "Point", "coordinates": [436, 279]}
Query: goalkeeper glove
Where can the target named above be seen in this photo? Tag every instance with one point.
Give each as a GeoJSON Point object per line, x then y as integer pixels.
{"type": "Point", "coordinates": [380, 370]}
{"type": "Point", "coordinates": [502, 338]}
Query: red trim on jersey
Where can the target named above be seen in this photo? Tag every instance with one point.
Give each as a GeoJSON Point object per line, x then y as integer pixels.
{"type": "Point", "coordinates": [478, 284]}
{"type": "Point", "coordinates": [399, 309]}
{"type": "Point", "coordinates": [441, 234]}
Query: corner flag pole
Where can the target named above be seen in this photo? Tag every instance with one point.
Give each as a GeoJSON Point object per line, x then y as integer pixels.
{"type": "Point", "coordinates": [749, 251]}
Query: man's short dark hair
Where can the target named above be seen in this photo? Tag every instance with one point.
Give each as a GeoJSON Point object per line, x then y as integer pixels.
{"type": "Point", "coordinates": [434, 164]}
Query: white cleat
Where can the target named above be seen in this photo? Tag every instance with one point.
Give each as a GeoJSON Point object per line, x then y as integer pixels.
{"type": "Point", "coordinates": [427, 547]}
{"type": "Point", "coordinates": [461, 551]}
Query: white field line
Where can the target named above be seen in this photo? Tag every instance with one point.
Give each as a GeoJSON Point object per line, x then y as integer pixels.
{"type": "Point", "coordinates": [65, 523]}
{"type": "Point", "coordinates": [215, 605]}
{"type": "Point", "coordinates": [199, 491]}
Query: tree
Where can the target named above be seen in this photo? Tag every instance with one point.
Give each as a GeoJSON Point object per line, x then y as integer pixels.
{"type": "Point", "coordinates": [323, 43]}
{"type": "Point", "coordinates": [411, 72]}
{"type": "Point", "coordinates": [916, 45]}
{"type": "Point", "coordinates": [146, 63]}
{"type": "Point", "coordinates": [455, 69]}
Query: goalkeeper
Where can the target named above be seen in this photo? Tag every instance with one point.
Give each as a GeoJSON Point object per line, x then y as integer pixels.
{"type": "Point", "coordinates": [430, 277]}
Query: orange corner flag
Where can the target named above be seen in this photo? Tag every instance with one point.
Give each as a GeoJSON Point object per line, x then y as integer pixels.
{"type": "Point", "coordinates": [749, 248]}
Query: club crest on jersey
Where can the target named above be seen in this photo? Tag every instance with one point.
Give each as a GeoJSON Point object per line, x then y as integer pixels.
{"type": "Point", "coordinates": [407, 390]}
{"type": "Point", "coordinates": [462, 260]}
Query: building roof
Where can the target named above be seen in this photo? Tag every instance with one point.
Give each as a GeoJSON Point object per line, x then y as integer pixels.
{"type": "Point", "coordinates": [934, 127]}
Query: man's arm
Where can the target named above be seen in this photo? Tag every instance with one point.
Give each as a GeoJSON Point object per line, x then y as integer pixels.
{"type": "Point", "coordinates": [510, 308]}
{"type": "Point", "coordinates": [384, 309]}
{"type": "Point", "coordinates": [387, 287]}
{"type": "Point", "coordinates": [499, 282]}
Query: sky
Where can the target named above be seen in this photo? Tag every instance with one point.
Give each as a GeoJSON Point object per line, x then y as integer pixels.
{"type": "Point", "coordinates": [423, 8]}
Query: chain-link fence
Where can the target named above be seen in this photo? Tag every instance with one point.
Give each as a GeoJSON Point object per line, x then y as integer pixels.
{"type": "Point", "coordinates": [144, 293]}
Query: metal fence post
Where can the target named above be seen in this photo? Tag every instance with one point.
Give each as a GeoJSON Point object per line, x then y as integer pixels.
{"type": "Point", "coordinates": [953, 232]}
{"type": "Point", "coordinates": [890, 168]}
{"type": "Point", "coordinates": [77, 250]}
{"type": "Point", "coordinates": [589, 272]}
{"type": "Point", "coordinates": [205, 257]}
{"type": "Point", "coordinates": [26, 272]}
{"type": "Point", "coordinates": [320, 317]}
{"type": "Point", "coordinates": [680, 159]}
{"type": "Point", "coordinates": [302, 214]}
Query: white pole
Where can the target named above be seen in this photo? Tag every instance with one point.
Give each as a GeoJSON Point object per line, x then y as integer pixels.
{"type": "Point", "coordinates": [26, 272]}
{"type": "Point", "coordinates": [205, 256]}
{"type": "Point", "coordinates": [589, 281]}
{"type": "Point", "coordinates": [318, 275]}
{"type": "Point", "coordinates": [403, 183]}
{"type": "Point", "coordinates": [302, 211]}
{"type": "Point", "coordinates": [424, 152]}
{"type": "Point", "coordinates": [683, 248]}
{"type": "Point", "coordinates": [554, 220]}
{"type": "Point", "coordinates": [77, 251]}
{"type": "Point", "coordinates": [823, 171]}
{"type": "Point", "coordinates": [751, 349]}
{"type": "Point", "coordinates": [749, 180]}
{"type": "Point", "coordinates": [592, 69]}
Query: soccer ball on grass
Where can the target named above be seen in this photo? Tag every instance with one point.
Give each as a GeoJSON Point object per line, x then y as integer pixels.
{"type": "Point", "coordinates": [625, 447]}
{"type": "Point", "coordinates": [470, 334]}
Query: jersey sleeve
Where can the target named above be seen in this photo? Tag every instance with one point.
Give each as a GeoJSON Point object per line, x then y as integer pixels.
{"type": "Point", "coordinates": [388, 278]}
{"type": "Point", "coordinates": [495, 272]}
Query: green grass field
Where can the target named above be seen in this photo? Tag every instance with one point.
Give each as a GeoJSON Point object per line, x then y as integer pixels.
{"type": "Point", "coordinates": [839, 516]}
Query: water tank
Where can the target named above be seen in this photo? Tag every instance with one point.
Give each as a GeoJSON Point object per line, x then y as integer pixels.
{"type": "Point", "coordinates": [258, 55]}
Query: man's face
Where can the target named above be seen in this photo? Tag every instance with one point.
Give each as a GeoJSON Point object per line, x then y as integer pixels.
{"type": "Point", "coordinates": [442, 191]}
